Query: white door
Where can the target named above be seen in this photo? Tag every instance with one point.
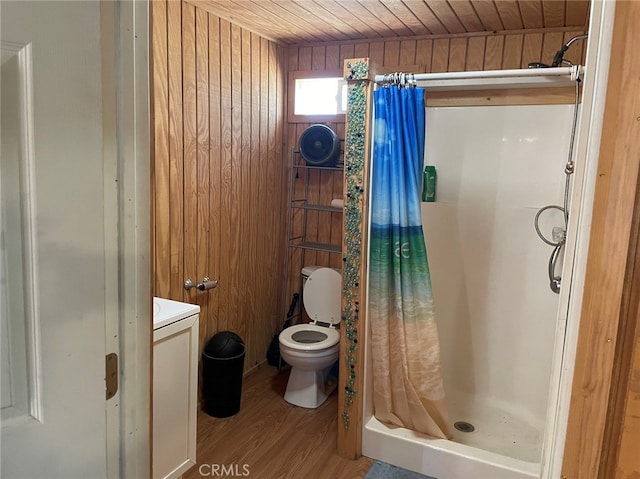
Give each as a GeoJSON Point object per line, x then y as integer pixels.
{"type": "Point", "coordinates": [58, 261]}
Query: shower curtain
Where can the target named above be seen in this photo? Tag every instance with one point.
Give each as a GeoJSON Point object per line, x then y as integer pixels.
{"type": "Point", "coordinates": [407, 379]}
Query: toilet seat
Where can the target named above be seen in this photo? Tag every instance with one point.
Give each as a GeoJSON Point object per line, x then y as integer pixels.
{"type": "Point", "coordinates": [322, 296]}
{"type": "Point", "coordinates": [309, 337]}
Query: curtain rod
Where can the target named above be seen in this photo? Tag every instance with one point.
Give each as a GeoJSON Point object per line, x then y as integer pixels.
{"type": "Point", "coordinates": [530, 77]}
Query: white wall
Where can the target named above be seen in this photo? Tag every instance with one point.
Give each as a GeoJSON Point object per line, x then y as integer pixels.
{"type": "Point", "coordinates": [496, 314]}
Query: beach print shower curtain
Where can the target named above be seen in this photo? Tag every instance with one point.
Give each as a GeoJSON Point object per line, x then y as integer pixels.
{"type": "Point", "coordinates": [407, 378]}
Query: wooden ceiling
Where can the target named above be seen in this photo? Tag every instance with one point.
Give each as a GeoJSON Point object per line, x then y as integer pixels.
{"type": "Point", "coordinates": [309, 21]}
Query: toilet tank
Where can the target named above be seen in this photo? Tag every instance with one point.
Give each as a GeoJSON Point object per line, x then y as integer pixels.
{"type": "Point", "coordinates": [306, 272]}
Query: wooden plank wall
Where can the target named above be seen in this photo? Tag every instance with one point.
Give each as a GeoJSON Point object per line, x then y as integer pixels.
{"type": "Point", "coordinates": [439, 54]}
{"type": "Point", "coordinates": [219, 179]}
{"type": "Point", "coordinates": [620, 459]}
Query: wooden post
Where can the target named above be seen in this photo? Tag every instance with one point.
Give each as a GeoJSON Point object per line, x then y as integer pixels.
{"type": "Point", "coordinates": [356, 203]}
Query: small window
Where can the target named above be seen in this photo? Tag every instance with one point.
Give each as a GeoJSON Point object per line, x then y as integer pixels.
{"type": "Point", "coordinates": [320, 96]}
{"type": "Point", "coordinates": [317, 96]}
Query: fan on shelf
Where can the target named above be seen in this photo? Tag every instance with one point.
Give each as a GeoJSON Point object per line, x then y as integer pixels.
{"type": "Point", "coordinates": [319, 146]}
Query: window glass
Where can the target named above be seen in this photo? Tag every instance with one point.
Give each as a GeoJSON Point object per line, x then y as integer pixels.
{"type": "Point", "coordinates": [320, 96]}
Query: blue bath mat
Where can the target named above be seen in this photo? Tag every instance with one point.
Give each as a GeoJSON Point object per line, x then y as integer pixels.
{"type": "Point", "coordinates": [382, 470]}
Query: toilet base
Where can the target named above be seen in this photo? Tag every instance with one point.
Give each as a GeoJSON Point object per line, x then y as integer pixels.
{"type": "Point", "coordinates": [309, 389]}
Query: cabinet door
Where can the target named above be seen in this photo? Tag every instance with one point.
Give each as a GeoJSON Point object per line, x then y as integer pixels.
{"type": "Point", "coordinates": [175, 400]}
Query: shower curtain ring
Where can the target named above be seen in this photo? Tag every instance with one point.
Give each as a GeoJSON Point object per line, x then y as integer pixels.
{"type": "Point", "coordinates": [575, 72]}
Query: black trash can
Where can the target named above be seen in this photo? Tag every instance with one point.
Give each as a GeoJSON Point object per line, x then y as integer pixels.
{"type": "Point", "coordinates": [222, 364]}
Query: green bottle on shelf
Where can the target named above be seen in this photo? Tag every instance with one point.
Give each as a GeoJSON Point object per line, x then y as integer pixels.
{"type": "Point", "coordinates": [429, 184]}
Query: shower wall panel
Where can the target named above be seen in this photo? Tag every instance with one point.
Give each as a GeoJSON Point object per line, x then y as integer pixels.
{"type": "Point", "coordinates": [497, 166]}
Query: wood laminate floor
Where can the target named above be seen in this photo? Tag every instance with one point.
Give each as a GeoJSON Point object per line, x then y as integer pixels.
{"type": "Point", "coordinates": [270, 438]}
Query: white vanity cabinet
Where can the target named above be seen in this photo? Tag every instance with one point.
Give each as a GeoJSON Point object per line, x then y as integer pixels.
{"type": "Point", "coordinates": [175, 387]}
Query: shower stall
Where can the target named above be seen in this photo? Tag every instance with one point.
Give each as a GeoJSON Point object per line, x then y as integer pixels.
{"type": "Point", "coordinates": [507, 339]}
{"type": "Point", "coordinates": [497, 317]}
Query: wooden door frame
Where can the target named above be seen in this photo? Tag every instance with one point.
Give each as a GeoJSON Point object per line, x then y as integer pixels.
{"type": "Point", "coordinates": [606, 315]}
{"type": "Point", "coordinates": [127, 174]}
{"type": "Point", "coordinates": [135, 201]}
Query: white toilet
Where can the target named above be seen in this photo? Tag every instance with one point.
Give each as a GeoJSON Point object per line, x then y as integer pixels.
{"type": "Point", "coordinates": [311, 349]}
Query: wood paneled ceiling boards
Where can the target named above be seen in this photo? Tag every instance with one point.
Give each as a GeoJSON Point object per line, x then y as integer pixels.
{"type": "Point", "coordinates": [292, 22]}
